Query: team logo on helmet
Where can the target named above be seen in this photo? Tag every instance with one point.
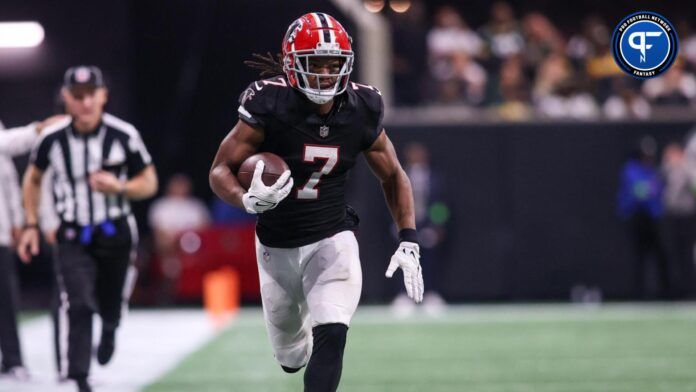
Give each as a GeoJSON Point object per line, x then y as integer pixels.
{"type": "Point", "coordinates": [645, 44]}
{"type": "Point", "coordinates": [293, 30]}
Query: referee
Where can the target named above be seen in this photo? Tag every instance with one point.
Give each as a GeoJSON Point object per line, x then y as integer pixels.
{"type": "Point", "coordinates": [99, 164]}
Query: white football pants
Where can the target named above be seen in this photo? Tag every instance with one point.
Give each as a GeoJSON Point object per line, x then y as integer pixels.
{"type": "Point", "coordinates": [303, 287]}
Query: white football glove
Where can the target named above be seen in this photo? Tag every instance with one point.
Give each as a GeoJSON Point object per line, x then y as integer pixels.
{"type": "Point", "coordinates": [261, 198]}
{"type": "Point", "coordinates": [408, 258]}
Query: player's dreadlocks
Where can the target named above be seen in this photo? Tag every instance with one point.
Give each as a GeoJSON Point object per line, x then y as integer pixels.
{"type": "Point", "coordinates": [267, 64]}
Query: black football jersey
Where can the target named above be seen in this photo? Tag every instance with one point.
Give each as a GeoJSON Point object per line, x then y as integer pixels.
{"type": "Point", "coordinates": [320, 151]}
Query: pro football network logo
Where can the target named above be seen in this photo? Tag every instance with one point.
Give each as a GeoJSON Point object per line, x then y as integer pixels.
{"type": "Point", "coordinates": [645, 44]}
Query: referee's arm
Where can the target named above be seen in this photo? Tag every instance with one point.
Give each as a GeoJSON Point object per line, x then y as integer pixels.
{"type": "Point", "coordinates": [31, 189]}
{"type": "Point", "coordinates": [140, 186]}
{"type": "Point", "coordinates": [31, 192]}
{"type": "Point", "coordinates": [143, 185]}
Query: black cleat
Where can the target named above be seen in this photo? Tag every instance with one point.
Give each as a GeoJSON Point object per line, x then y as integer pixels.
{"type": "Point", "coordinates": [107, 344]}
{"type": "Point", "coordinates": [291, 370]}
{"type": "Point", "coordinates": [83, 385]}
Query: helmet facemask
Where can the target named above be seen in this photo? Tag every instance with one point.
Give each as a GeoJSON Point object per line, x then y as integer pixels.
{"type": "Point", "coordinates": [310, 83]}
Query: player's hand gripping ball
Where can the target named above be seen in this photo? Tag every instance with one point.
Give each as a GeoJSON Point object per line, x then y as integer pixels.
{"type": "Point", "coordinates": [266, 177]}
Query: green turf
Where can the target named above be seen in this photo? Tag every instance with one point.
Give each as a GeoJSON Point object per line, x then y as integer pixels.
{"type": "Point", "coordinates": [27, 315]}
{"type": "Point", "coordinates": [478, 349]}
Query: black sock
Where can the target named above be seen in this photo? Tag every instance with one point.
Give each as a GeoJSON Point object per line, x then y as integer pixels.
{"type": "Point", "coordinates": [324, 368]}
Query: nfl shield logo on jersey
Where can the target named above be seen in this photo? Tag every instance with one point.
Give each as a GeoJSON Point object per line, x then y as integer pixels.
{"type": "Point", "coordinates": [324, 131]}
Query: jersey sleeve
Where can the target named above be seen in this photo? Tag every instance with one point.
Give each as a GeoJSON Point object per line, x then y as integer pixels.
{"type": "Point", "coordinates": [40, 154]}
{"type": "Point", "coordinates": [253, 106]}
{"type": "Point", "coordinates": [374, 103]}
{"type": "Point", "coordinates": [137, 156]}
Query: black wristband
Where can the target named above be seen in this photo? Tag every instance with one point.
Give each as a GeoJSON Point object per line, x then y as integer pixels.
{"type": "Point", "coordinates": [409, 235]}
{"type": "Point", "coordinates": [31, 226]}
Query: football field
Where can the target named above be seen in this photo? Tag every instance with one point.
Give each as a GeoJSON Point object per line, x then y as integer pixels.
{"type": "Point", "coordinates": [542, 348]}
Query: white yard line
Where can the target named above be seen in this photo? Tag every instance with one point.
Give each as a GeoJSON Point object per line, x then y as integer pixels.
{"type": "Point", "coordinates": [148, 344]}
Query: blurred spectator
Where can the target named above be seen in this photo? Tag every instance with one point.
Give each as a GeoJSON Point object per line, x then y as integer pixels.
{"type": "Point", "coordinates": [590, 41]}
{"type": "Point", "coordinates": [687, 43]}
{"type": "Point", "coordinates": [553, 72]}
{"type": "Point", "coordinates": [11, 223]}
{"type": "Point", "coordinates": [679, 220]}
{"type": "Point", "coordinates": [503, 40]}
{"type": "Point", "coordinates": [592, 53]}
{"type": "Point", "coordinates": [558, 94]}
{"type": "Point", "coordinates": [625, 103]}
{"type": "Point", "coordinates": [451, 34]}
{"type": "Point", "coordinates": [410, 58]}
{"type": "Point", "coordinates": [471, 76]}
{"type": "Point", "coordinates": [602, 67]}
{"type": "Point", "coordinates": [542, 39]}
{"type": "Point", "coordinates": [431, 219]}
{"type": "Point", "coordinates": [675, 87]}
{"type": "Point", "coordinates": [640, 206]}
{"type": "Point", "coordinates": [502, 33]}
{"type": "Point", "coordinates": [452, 47]}
{"type": "Point", "coordinates": [568, 102]}
{"type": "Point", "coordinates": [514, 91]}
{"type": "Point", "coordinates": [465, 81]}
{"type": "Point", "coordinates": [169, 216]}
{"type": "Point", "coordinates": [15, 142]}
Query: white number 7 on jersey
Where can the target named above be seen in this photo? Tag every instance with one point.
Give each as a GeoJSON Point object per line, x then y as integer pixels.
{"type": "Point", "coordinates": [311, 153]}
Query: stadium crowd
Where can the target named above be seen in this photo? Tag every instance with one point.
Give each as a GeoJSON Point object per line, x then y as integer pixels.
{"type": "Point", "coordinates": [524, 65]}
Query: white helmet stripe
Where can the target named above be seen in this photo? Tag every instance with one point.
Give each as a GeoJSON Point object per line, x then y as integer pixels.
{"type": "Point", "coordinates": [332, 33]}
{"type": "Point", "coordinates": [317, 20]}
{"type": "Point", "coordinates": [325, 30]}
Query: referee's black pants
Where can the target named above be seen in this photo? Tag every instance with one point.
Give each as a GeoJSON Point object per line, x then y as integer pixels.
{"type": "Point", "coordinates": [91, 279]}
{"type": "Point", "coordinates": [9, 338]}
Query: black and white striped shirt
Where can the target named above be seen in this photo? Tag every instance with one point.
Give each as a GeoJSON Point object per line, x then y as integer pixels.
{"type": "Point", "coordinates": [115, 146]}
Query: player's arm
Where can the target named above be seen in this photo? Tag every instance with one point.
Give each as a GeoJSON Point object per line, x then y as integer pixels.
{"type": "Point", "coordinates": [242, 142]}
{"type": "Point", "coordinates": [143, 185]}
{"type": "Point", "coordinates": [396, 186]}
{"type": "Point", "coordinates": [382, 159]}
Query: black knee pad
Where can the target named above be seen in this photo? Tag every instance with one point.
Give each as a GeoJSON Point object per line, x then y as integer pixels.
{"type": "Point", "coordinates": [330, 337]}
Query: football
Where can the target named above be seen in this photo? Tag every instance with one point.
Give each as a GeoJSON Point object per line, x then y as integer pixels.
{"type": "Point", "coordinates": [275, 166]}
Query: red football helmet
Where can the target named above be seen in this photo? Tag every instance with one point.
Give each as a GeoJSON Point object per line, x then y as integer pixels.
{"type": "Point", "coordinates": [317, 35]}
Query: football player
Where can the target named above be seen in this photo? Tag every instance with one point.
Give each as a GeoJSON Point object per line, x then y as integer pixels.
{"type": "Point", "coordinates": [318, 121]}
